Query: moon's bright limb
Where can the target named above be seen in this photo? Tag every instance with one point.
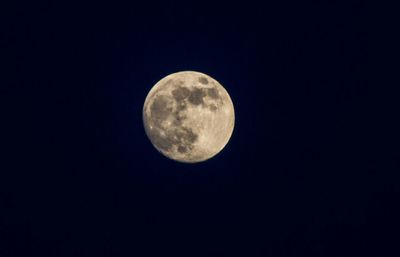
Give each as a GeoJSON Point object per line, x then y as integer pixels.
{"type": "Point", "coordinates": [188, 116]}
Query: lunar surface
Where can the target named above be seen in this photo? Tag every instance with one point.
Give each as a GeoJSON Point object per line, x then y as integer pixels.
{"type": "Point", "coordinates": [188, 116]}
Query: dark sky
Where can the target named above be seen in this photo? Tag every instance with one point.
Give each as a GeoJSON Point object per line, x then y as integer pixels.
{"type": "Point", "coordinates": [311, 168]}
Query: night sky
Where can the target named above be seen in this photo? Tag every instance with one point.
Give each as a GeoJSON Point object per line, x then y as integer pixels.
{"type": "Point", "coordinates": [310, 170]}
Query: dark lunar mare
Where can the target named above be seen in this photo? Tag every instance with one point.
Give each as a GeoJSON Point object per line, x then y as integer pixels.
{"type": "Point", "coordinates": [196, 96]}
{"type": "Point", "coordinates": [203, 80]}
{"type": "Point", "coordinates": [184, 96]}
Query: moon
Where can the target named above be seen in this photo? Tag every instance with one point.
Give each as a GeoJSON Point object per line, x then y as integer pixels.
{"type": "Point", "coordinates": [188, 116]}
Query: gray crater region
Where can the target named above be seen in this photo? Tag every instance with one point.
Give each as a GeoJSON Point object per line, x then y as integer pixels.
{"type": "Point", "coordinates": [188, 116]}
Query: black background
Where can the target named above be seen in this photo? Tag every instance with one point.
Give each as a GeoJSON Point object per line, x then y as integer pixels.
{"type": "Point", "coordinates": [309, 171]}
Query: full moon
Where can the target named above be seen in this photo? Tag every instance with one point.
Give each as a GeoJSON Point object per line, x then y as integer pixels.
{"type": "Point", "coordinates": [188, 116]}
